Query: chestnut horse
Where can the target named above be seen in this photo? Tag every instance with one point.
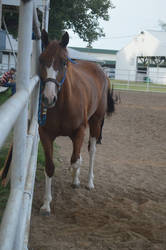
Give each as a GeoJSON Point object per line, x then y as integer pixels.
{"type": "Point", "coordinates": [75, 95]}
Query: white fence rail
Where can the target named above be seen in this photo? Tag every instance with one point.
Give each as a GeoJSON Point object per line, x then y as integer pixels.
{"type": "Point", "coordinates": [155, 75]}
{"type": "Point", "coordinates": [14, 229]}
{"type": "Point", "coordinates": [140, 80]}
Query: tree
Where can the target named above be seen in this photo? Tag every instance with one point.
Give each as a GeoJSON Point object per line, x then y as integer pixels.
{"type": "Point", "coordinates": [10, 14]}
{"type": "Point", "coordinates": [82, 16]}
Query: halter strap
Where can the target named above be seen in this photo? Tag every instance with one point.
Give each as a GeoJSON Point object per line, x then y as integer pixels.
{"type": "Point", "coordinates": [51, 80]}
{"type": "Point", "coordinates": [58, 84]}
{"type": "Point", "coordinates": [71, 60]}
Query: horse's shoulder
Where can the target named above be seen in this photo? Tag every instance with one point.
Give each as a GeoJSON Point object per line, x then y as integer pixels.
{"type": "Point", "coordinates": [88, 65]}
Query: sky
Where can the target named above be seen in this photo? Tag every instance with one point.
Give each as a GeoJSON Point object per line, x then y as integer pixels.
{"type": "Point", "coordinates": [127, 20]}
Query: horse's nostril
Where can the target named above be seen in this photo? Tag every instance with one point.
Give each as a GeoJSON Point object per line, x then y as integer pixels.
{"type": "Point", "coordinates": [54, 100]}
{"type": "Point", "coordinates": [48, 103]}
{"type": "Point", "coordinates": [45, 100]}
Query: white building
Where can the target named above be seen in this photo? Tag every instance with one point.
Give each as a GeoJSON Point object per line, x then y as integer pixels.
{"type": "Point", "coordinates": [39, 3]}
{"type": "Point", "coordinates": [143, 58]}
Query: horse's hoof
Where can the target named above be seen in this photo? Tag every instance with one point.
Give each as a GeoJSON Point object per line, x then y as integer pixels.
{"type": "Point", "coordinates": [89, 187]}
{"type": "Point", "coordinates": [74, 186]}
{"type": "Point", "coordinates": [44, 212]}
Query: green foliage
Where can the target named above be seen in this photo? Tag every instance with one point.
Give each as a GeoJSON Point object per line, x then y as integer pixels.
{"type": "Point", "coordinates": [11, 20]}
{"type": "Point", "coordinates": [81, 16]}
{"type": "Point", "coordinates": [4, 191]}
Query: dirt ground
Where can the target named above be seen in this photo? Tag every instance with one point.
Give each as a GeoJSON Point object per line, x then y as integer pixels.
{"type": "Point", "coordinates": [127, 208]}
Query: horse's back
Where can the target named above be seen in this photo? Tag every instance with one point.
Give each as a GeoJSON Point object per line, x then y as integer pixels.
{"type": "Point", "coordinates": [93, 85]}
{"type": "Point", "coordinates": [90, 78]}
{"type": "Point", "coordinates": [90, 70]}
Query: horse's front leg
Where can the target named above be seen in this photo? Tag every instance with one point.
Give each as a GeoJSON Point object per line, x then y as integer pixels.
{"type": "Point", "coordinates": [75, 168]}
{"type": "Point", "coordinates": [45, 208]}
{"type": "Point", "coordinates": [49, 170]}
{"type": "Point", "coordinates": [76, 158]}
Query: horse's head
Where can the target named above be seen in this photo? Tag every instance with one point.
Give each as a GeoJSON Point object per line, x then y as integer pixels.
{"type": "Point", "coordinates": [53, 63]}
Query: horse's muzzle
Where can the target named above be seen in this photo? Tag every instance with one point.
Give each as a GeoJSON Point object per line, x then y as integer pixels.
{"type": "Point", "coordinates": [47, 103]}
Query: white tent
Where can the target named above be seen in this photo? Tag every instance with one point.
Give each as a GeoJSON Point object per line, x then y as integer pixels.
{"type": "Point", "coordinates": [82, 55]}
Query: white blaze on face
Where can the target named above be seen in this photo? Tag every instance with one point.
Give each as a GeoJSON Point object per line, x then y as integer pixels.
{"type": "Point", "coordinates": [50, 90]}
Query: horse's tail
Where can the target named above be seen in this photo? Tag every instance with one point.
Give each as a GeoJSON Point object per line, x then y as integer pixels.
{"type": "Point", "coordinates": [110, 100]}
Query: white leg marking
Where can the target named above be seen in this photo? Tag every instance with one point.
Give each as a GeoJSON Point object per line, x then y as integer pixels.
{"type": "Point", "coordinates": [76, 172]}
{"type": "Point", "coordinates": [92, 152]}
{"type": "Point", "coordinates": [47, 195]}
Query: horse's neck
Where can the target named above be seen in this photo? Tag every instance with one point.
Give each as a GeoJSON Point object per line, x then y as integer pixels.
{"type": "Point", "coordinates": [67, 89]}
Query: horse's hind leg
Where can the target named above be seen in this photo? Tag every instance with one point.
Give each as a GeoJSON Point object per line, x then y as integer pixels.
{"type": "Point", "coordinates": [49, 170]}
{"type": "Point", "coordinates": [76, 159]}
{"type": "Point", "coordinates": [100, 136]}
{"type": "Point", "coordinates": [92, 152]}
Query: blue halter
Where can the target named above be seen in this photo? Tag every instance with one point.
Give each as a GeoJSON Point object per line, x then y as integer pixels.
{"type": "Point", "coordinates": [71, 60]}
{"type": "Point", "coordinates": [42, 116]}
{"type": "Point", "coordinates": [63, 79]}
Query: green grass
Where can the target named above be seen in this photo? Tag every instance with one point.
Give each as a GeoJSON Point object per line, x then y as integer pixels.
{"type": "Point", "coordinates": [138, 86]}
{"type": "Point", "coordinates": [4, 191]}
{"type": "Point", "coordinates": [4, 96]}
{"type": "Point", "coordinates": [4, 194]}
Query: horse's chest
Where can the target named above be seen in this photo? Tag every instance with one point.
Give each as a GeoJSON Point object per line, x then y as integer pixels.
{"type": "Point", "coordinates": [64, 123]}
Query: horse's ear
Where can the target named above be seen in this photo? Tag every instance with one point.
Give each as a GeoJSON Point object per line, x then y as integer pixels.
{"type": "Point", "coordinates": [44, 38]}
{"type": "Point", "coordinates": [65, 40]}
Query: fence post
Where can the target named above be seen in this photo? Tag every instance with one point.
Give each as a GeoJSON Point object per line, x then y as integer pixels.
{"type": "Point", "coordinates": [22, 79]}
{"type": "Point", "coordinates": [147, 80]}
{"type": "Point", "coordinates": [128, 76]}
{"type": "Point", "coordinates": [24, 62]}
{"type": "Point", "coordinates": [20, 132]}
{"type": "Point", "coordinates": [0, 14]}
